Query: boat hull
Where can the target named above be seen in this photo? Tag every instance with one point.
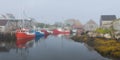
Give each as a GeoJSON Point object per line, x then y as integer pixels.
{"type": "Point", "coordinates": [37, 34]}
{"type": "Point", "coordinates": [45, 32]}
{"type": "Point", "coordinates": [20, 35]}
{"type": "Point", "coordinates": [60, 32]}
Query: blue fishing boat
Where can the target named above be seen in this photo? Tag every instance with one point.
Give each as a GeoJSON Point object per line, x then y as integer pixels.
{"type": "Point", "coordinates": [39, 34]}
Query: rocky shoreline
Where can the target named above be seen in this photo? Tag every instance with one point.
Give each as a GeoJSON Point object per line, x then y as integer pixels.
{"type": "Point", "coordinates": [106, 47]}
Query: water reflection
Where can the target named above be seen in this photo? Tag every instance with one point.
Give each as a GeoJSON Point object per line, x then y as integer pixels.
{"type": "Point", "coordinates": [5, 46]}
{"type": "Point", "coordinates": [24, 45]}
{"type": "Point", "coordinates": [50, 48]}
{"type": "Point", "coordinates": [38, 38]}
{"type": "Point", "coordinates": [89, 48]}
{"type": "Point", "coordinates": [3, 49]}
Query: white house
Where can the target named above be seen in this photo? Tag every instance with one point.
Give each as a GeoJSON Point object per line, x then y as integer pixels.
{"type": "Point", "coordinates": [106, 20]}
{"type": "Point", "coordinates": [90, 26]}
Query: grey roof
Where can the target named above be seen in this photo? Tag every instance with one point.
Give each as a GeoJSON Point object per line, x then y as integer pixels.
{"type": "Point", "coordinates": [91, 22]}
{"type": "Point", "coordinates": [108, 17]}
{"type": "Point", "coordinates": [3, 22]}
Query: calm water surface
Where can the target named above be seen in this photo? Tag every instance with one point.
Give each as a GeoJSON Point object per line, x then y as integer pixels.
{"type": "Point", "coordinates": [50, 48]}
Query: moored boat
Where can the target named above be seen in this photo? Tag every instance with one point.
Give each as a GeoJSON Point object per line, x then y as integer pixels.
{"type": "Point", "coordinates": [24, 34]}
{"type": "Point", "coordinates": [61, 31]}
{"type": "Point", "coordinates": [39, 34]}
{"type": "Point", "coordinates": [45, 31]}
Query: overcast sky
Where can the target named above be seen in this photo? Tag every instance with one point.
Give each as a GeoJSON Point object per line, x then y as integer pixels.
{"type": "Point", "coordinates": [60, 10]}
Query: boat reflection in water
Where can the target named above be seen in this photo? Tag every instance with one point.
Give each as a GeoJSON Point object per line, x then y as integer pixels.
{"type": "Point", "coordinates": [67, 36]}
{"type": "Point", "coordinates": [38, 38]}
{"type": "Point", "coordinates": [23, 46]}
{"type": "Point", "coordinates": [6, 46]}
{"type": "Point", "coordinates": [22, 43]}
{"type": "Point", "coordinates": [26, 43]}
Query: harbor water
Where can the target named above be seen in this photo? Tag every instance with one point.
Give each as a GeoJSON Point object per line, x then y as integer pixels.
{"type": "Point", "coordinates": [48, 48]}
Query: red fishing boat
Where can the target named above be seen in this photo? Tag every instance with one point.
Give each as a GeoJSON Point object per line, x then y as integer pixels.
{"type": "Point", "coordinates": [45, 31]}
{"type": "Point", "coordinates": [24, 34]}
{"type": "Point", "coordinates": [61, 31]}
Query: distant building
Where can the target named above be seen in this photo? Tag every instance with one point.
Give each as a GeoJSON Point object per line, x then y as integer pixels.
{"type": "Point", "coordinates": [7, 25]}
{"type": "Point", "coordinates": [73, 23]}
{"type": "Point", "coordinates": [90, 26]}
{"type": "Point", "coordinates": [59, 24]}
{"type": "Point", "coordinates": [77, 24]}
{"type": "Point", "coordinates": [70, 22]}
{"type": "Point", "coordinates": [106, 20]}
{"type": "Point", "coordinates": [3, 24]}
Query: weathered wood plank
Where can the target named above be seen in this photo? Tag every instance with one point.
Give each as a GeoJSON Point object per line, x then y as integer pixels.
{"type": "Point", "coordinates": [7, 36]}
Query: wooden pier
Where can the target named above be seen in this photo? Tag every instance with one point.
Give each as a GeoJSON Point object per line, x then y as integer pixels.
{"type": "Point", "coordinates": [7, 36]}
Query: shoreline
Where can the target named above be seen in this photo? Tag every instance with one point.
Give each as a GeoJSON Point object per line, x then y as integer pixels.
{"type": "Point", "coordinates": [106, 47]}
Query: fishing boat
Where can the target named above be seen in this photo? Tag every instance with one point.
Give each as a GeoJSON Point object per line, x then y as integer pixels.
{"type": "Point", "coordinates": [61, 31]}
{"type": "Point", "coordinates": [39, 34]}
{"type": "Point", "coordinates": [24, 34]}
{"type": "Point", "coordinates": [45, 31]}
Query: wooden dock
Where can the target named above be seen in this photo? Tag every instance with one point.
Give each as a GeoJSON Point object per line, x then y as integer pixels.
{"type": "Point", "coordinates": [7, 36]}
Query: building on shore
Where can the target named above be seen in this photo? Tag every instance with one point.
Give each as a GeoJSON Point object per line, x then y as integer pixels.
{"type": "Point", "coordinates": [73, 23]}
{"type": "Point", "coordinates": [90, 26]}
{"type": "Point", "coordinates": [106, 20]}
{"type": "Point", "coordinates": [3, 25]}
{"type": "Point", "coordinates": [8, 25]}
{"type": "Point", "coordinates": [75, 26]}
{"type": "Point", "coordinates": [59, 24]}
